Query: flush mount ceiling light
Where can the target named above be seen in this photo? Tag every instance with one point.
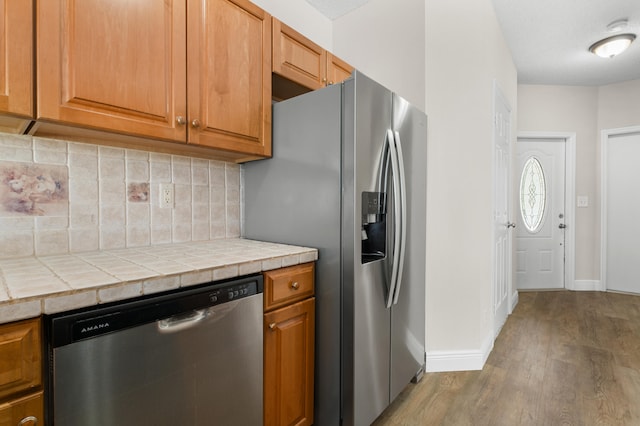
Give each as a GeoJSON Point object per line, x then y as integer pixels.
{"type": "Point", "coordinates": [612, 46]}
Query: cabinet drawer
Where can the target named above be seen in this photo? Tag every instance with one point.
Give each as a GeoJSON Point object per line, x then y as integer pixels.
{"type": "Point", "coordinates": [20, 357]}
{"type": "Point", "coordinates": [27, 411]}
{"type": "Point", "coordinates": [288, 285]}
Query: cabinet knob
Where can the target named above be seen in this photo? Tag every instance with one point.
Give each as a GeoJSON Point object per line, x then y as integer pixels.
{"type": "Point", "coordinates": [272, 326]}
{"type": "Point", "coordinates": [195, 123]}
{"type": "Point", "coordinates": [295, 285]}
{"type": "Point", "coordinates": [181, 120]}
{"type": "Point", "coordinates": [330, 83]}
{"type": "Point", "coordinates": [29, 420]}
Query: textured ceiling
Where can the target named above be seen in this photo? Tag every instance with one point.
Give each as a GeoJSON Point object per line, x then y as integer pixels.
{"type": "Point", "coordinates": [549, 39]}
{"type": "Point", "coordinates": [335, 8]}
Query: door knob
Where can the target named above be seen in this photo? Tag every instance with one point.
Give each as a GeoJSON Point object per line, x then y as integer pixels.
{"type": "Point", "coordinates": [562, 226]}
{"type": "Point", "coordinates": [511, 225]}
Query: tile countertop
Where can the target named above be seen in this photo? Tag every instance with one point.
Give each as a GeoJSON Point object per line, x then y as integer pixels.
{"type": "Point", "coordinates": [30, 286]}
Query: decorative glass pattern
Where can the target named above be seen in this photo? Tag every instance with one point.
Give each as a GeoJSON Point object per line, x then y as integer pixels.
{"type": "Point", "coordinates": [533, 194]}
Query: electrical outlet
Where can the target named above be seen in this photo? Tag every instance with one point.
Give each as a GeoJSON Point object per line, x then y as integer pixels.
{"type": "Point", "coordinates": [166, 196]}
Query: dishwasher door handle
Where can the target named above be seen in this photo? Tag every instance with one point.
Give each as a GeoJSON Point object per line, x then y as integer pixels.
{"type": "Point", "coordinates": [181, 321]}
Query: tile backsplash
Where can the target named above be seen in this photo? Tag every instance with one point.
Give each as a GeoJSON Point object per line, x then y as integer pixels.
{"type": "Point", "coordinates": [60, 197]}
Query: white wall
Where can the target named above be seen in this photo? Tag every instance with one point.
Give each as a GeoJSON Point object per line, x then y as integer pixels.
{"type": "Point", "coordinates": [386, 40]}
{"type": "Point", "coordinates": [302, 17]}
{"type": "Point", "coordinates": [460, 69]}
{"type": "Point", "coordinates": [571, 109]}
{"type": "Point", "coordinates": [619, 105]}
{"type": "Point", "coordinates": [586, 111]}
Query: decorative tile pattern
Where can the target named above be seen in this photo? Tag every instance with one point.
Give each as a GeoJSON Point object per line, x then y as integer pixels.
{"type": "Point", "coordinates": [33, 189]}
{"type": "Point", "coordinates": [138, 192]}
{"type": "Point", "coordinates": [98, 193]}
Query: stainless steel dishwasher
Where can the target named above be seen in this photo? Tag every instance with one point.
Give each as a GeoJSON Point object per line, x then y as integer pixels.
{"type": "Point", "coordinates": [192, 357]}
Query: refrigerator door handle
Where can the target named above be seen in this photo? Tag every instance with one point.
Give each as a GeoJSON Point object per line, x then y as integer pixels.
{"type": "Point", "coordinates": [397, 202]}
{"type": "Point", "coordinates": [403, 215]}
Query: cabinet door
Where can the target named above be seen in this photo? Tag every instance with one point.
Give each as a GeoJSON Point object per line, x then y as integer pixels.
{"type": "Point", "coordinates": [288, 364]}
{"type": "Point", "coordinates": [297, 58]}
{"type": "Point", "coordinates": [25, 411]}
{"type": "Point", "coordinates": [337, 69]}
{"type": "Point", "coordinates": [115, 65]}
{"type": "Point", "coordinates": [20, 357]}
{"type": "Point", "coordinates": [229, 76]}
{"type": "Point", "coordinates": [16, 57]}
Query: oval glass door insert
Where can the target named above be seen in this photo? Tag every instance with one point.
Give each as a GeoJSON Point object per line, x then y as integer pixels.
{"type": "Point", "coordinates": [533, 195]}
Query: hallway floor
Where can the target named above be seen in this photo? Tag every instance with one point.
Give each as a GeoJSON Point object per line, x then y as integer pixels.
{"type": "Point", "coordinates": [562, 358]}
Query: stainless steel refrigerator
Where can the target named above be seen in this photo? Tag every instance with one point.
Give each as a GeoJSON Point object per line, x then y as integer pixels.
{"type": "Point", "coordinates": [348, 177]}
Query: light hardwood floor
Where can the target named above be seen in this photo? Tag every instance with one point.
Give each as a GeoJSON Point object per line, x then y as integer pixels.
{"type": "Point", "coordinates": [562, 358]}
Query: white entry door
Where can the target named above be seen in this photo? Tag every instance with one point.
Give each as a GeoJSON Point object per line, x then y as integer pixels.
{"type": "Point", "coordinates": [501, 218]}
{"type": "Point", "coordinates": [622, 177]}
{"type": "Point", "coordinates": [540, 236]}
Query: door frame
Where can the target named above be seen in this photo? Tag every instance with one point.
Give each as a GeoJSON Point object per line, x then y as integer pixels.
{"type": "Point", "coordinates": [498, 95]}
{"type": "Point", "coordinates": [604, 141]}
{"type": "Point", "coordinates": [569, 196]}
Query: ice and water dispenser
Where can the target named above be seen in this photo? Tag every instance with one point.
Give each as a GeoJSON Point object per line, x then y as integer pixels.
{"type": "Point", "coordinates": [374, 226]}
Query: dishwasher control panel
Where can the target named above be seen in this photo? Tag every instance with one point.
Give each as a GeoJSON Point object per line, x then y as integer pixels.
{"type": "Point", "coordinates": [70, 327]}
{"type": "Point", "coordinates": [233, 292]}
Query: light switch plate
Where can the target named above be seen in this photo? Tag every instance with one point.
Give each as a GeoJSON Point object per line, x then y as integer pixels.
{"type": "Point", "coordinates": [583, 201]}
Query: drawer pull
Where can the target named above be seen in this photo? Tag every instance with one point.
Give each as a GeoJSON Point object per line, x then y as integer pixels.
{"type": "Point", "coordinates": [29, 420]}
{"type": "Point", "coordinates": [272, 326]}
{"type": "Point", "coordinates": [295, 285]}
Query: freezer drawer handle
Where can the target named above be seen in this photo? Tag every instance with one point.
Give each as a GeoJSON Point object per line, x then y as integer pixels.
{"type": "Point", "coordinates": [181, 322]}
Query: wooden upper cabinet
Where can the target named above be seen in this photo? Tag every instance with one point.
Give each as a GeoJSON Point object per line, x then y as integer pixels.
{"type": "Point", "coordinates": [297, 58]}
{"type": "Point", "coordinates": [196, 71]}
{"type": "Point", "coordinates": [16, 63]}
{"type": "Point", "coordinates": [115, 65]}
{"type": "Point", "coordinates": [229, 80]}
{"type": "Point", "coordinates": [303, 62]}
{"type": "Point", "coordinates": [337, 69]}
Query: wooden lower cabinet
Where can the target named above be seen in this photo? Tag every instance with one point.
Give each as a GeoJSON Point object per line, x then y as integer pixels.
{"type": "Point", "coordinates": [21, 397]}
{"type": "Point", "coordinates": [25, 411]}
{"type": "Point", "coordinates": [289, 346]}
{"type": "Point", "coordinates": [289, 353]}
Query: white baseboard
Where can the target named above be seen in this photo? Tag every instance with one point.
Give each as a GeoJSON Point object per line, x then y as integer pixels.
{"type": "Point", "coordinates": [514, 301]}
{"type": "Point", "coordinates": [587, 285]}
{"type": "Point", "coordinates": [440, 361]}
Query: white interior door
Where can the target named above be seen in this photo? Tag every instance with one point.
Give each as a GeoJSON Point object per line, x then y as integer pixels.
{"type": "Point", "coordinates": [541, 222]}
{"type": "Point", "coordinates": [501, 222]}
{"type": "Point", "coordinates": [622, 263]}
